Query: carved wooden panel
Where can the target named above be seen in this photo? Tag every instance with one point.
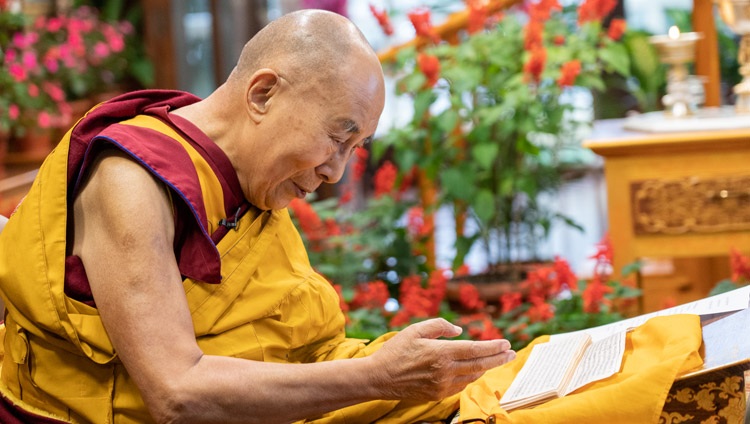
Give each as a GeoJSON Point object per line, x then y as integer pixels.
{"type": "Point", "coordinates": [691, 205]}
{"type": "Point", "coordinates": [716, 398]}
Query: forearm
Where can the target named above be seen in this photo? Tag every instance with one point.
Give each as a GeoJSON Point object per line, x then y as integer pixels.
{"type": "Point", "coordinates": [226, 390]}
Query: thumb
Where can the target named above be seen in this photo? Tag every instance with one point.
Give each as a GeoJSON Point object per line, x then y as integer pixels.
{"type": "Point", "coordinates": [436, 327]}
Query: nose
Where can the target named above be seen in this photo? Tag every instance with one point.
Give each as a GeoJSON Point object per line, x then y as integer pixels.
{"type": "Point", "coordinates": [332, 170]}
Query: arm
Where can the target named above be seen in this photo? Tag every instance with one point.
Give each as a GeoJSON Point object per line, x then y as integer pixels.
{"type": "Point", "coordinates": [124, 234]}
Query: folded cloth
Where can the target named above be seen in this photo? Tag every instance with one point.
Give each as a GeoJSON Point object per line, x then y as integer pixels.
{"type": "Point", "coordinates": [655, 354]}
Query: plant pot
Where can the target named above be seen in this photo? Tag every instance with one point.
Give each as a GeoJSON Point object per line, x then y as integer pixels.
{"type": "Point", "coordinates": [34, 145]}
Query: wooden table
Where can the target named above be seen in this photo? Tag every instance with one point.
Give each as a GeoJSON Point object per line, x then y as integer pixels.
{"type": "Point", "coordinates": [675, 195]}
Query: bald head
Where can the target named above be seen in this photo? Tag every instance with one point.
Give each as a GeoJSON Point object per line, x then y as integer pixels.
{"type": "Point", "coordinates": [303, 45]}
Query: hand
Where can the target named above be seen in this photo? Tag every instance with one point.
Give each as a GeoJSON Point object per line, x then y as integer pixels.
{"type": "Point", "coordinates": [414, 365]}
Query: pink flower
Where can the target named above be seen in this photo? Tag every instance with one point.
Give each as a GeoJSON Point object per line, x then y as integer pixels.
{"type": "Point", "coordinates": [10, 56]}
{"type": "Point", "coordinates": [30, 61]}
{"type": "Point", "coordinates": [21, 41]}
{"type": "Point", "coordinates": [54, 24]}
{"type": "Point", "coordinates": [116, 42]}
{"type": "Point", "coordinates": [51, 65]}
{"type": "Point", "coordinates": [54, 91]}
{"type": "Point", "coordinates": [33, 90]}
{"type": "Point", "coordinates": [101, 50]}
{"type": "Point", "coordinates": [126, 27]}
{"type": "Point", "coordinates": [18, 72]}
{"type": "Point", "coordinates": [43, 119]}
{"type": "Point", "coordinates": [75, 40]}
{"type": "Point", "coordinates": [13, 112]}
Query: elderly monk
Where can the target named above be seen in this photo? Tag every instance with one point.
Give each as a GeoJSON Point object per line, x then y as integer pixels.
{"type": "Point", "coordinates": [152, 274]}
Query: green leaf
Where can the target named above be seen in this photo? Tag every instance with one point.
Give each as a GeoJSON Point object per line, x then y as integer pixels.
{"type": "Point", "coordinates": [457, 183]}
{"type": "Point", "coordinates": [592, 81]}
{"type": "Point", "coordinates": [407, 158]}
{"type": "Point", "coordinates": [484, 205]}
{"type": "Point", "coordinates": [447, 120]}
{"type": "Point", "coordinates": [616, 56]}
{"type": "Point", "coordinates": [463, 245]}
{"type": "Point", "coordinates": [414, 82]}
{"type": "Point", "coordinates": [484, 154]}
{"type": "Point", "coordinates": [422, 103]}
{"type": "Point", "coordinates": [631, 268]}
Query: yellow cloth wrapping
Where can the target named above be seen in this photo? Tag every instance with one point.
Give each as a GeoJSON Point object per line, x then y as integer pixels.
{"type": "Point", "coordinates": [655, 353]}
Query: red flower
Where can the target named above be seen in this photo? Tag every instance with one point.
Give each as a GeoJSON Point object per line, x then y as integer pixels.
{"type": "Point", "coordinates": [415, 223]}
{"type": "Point", "coordinates": [468, 296]}
{"type": "Point", "coordinates": [486, 330]}
{"type": "Point", "coordinates": [559, 40]}
{"type": "Point", "coordinates": [477, 15]}
{"type": "Point", "coordinates": [603, 258]}
{"type": "Point", "coordinates": [569, 72]}
{"type": "Point", "coordinates": [417, 301]}
{"type": "Point", "coordinates": [308, 219]}
{"type": "Point", "coordinates": [542, 10]}
{"type": "Point", "coordinates": [430, 67]}
{"type": "Point", "coordinates": [495, 19]}
{"type": "Point", "coordinates": [346, 196]}
{"type": "Point", "coordinates": [740, 265]}
{"type": "Point", "coordinates": [595, 10]}
{"type": "Point", "coordinates": [383, 19]}
{"type": "Point", "coordinates": [616, 29]}
{"type": "Point", "coordinates": [535, 64]}
{"type": "Point", "coordinates": [372, 295]}
{"type": "Point", "coordinates": [533, 35]}
{"type": "Point", "coordinates": [437, 284]}
{"type": "Point", "coordinates": [510, 301]}
{"type": "Point", "coordinates": [385, 178]}
{"type": "Point", "coordinates": [408, 180]}
{"type": "Point", "coordinates": [420, 18]}
{"type": "Point", "coordinates": [539, 283]}
{"type": "Point", "coordinates": [564, 275]}
{"type": "Point", "coordinates": [332, 228]}
{"type": "Point", "coordinates": [462, 270]}
{"type": "Point", "coordinates": [593, 296]}
{"type": "Point", "coordinates": [360, 164]}
{"type": "Point", "coordinates": [540, 310]}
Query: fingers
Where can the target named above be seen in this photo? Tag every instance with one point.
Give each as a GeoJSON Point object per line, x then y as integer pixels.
{"type": "Point", "coordinates": [467, 349]}
{"type": "Point", "coordinates": [434, 328]}
{"type": "Point", "coordinates": [477, 366]}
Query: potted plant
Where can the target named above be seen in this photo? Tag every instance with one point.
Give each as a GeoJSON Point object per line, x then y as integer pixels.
{"type": "Point", "coordinates": [57, 67]}
{"type": "Point", "coordinates": [491, 122]}
{"type": "Point", "coordinates": [32, 100]}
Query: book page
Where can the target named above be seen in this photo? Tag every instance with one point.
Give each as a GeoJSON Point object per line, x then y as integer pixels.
{"type": "Point", "coordinates": [602, 359]}
{"type": "Point", "coordinates": [731, 301]}
{"type": "Point", "coordinates": [546, 372]}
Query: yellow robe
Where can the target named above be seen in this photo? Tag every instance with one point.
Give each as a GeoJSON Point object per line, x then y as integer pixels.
{"type": "Point", "coordinates": [270, 306]}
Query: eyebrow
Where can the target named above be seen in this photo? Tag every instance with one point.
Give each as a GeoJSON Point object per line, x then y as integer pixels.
{"type": "Point", "coordinates": [351, 127]}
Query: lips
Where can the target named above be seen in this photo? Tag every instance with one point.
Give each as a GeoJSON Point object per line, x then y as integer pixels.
{"type": "Point", "coordinates": [301, 193]}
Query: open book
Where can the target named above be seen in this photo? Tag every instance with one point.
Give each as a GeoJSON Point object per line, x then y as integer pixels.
{"type": "Point", "coordinates": [563, 365]}
{"type": "Point", "coordinates": [572, 360]}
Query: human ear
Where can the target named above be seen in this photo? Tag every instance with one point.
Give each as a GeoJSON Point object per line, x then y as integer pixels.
{"type": "Point", "coordinates": [263, 85]}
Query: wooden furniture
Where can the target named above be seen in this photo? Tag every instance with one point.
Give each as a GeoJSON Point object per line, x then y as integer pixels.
{"type": "Point", "coordinates": [707, 50]}
{"type": "Point", "coordinates": [675, 195]}
{"type": "Point", "coordinates": [717, 392]}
